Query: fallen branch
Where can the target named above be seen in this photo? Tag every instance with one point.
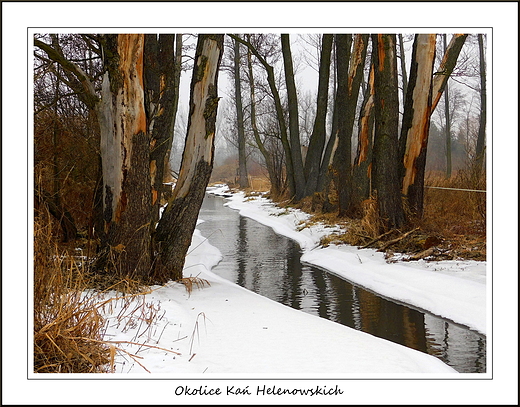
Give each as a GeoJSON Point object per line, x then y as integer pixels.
{"type": "Point", "coordinates": [423, 254]}
{"type": "Point", "coordinates": [396, 240]}
{"type": "Point", "coordinates": [377, 239]}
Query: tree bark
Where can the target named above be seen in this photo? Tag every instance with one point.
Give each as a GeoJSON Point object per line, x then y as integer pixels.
{"type": "Point", "coordinates": [242, 165]}
{"type": "Point", "coordinates": [385, 153]}
{"type": "Point", "coordinates": [349, 81]}
{"type": "Point", "coordinates": [161, 107]}
{"type": "Point", "coordinates": [361, 171]}
{"type": "Point", "coordinates": [416, 120]}
{"type": "Point", "coordinates": [449, 60]}
{"type": "Point", "coordinates": [125, 155]}
{"type": "Point", "coordinates": [294, 125]}
{"type": "Point", "coordinates": [175, 229]}
{"type": "Point", "coordinates": [314, 155]}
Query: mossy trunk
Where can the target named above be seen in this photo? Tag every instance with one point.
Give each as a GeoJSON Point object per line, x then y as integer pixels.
{"type": "Point", "coordinates": [177, 224]}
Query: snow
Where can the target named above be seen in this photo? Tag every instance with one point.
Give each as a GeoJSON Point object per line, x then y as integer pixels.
{"type": "Point", "coordinates": [455, 290]}
{"type": "Point", "coordinates": [224, 330]}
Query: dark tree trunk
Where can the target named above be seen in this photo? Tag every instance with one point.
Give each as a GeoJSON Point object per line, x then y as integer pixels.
{"type": "Point", "coordinates": [243, 180]}
{"type": "Point", "coordinates": [481, 140]}
{"type": "Point", "coordinates": [160, 102]}
{"type": "Point", "coordinates": [385, 154]}
{"type": "Point", "coordinates": [447, 128]}
{"type": "Point", "coordinates": [175, 229]}
{"type": "Point", "coordinates": [314, 155]}
{"type": "Point", "coordinates": [294, 125]}
{"type": "Point", "coordinates": [349, 81]}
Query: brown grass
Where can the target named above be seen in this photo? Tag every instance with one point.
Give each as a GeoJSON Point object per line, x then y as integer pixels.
{"type": "Point", "coordinates": [67, 323]}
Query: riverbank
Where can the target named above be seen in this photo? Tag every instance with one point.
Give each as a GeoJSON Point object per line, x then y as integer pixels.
{"type": "Point", "coordinates": [453, 289]}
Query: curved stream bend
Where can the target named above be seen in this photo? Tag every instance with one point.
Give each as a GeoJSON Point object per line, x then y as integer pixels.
{"type": "Point", "coordinates": [258, 259]}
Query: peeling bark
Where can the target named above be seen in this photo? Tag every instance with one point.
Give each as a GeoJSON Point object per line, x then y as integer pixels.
{"type": "Point", "coordinates": [125, 156]}
{"type": "Point", "coordinates": [349, 82]}
{"type": "Point", "coordinates": [362, 163]}
{"type": "Point", "coordinates": [449, 60]}
{"type": "Point", "coordinates": [175, 229]}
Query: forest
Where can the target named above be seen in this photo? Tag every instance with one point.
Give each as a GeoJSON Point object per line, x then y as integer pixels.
{"type": "Point", "coordinates": [390, 140]}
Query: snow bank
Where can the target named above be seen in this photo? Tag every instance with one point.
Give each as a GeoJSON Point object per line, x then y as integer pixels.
{"type": "Point", "coordinates": [455, 290]}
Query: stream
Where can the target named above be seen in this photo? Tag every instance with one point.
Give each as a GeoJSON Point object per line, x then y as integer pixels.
{"type": "Point", "coordinates": [258, 259]}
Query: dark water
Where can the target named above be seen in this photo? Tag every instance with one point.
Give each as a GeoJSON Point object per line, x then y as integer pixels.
{"type": "Point", "coordinates": [269, 264]}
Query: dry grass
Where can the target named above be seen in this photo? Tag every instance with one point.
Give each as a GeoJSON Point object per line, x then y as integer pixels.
{"type": "Point", "coordinates": [70, 305]}
{"type": "Point", "coordinates": [67, 323]}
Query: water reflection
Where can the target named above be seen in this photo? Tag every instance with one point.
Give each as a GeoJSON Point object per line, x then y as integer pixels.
{"type": "Point", "coordinates": [256, 258]}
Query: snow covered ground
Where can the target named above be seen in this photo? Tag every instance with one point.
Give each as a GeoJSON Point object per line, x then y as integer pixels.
{"type": "Point", "coordinates": [212, 339]}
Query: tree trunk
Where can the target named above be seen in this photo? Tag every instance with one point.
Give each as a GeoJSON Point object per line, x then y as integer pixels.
{"type": "Point", "coordinates": [349, 81]}
{"type": "Point", "coordinates": [242, 165]}
{"type": "Point", "coordinates": [403, 65]}
{"type": "Point", "coordinates": [361, 171]}
{"type": "Point", "coordinates": [314, 155]}
{"type": "Point", "coordinates": [125, 156]}
{"type": "Point", "coordinates": [294, 125]}
{"type": "Point", "coordinates": [175, 229]}
{"type": "Point", "coordinates": [447, 128]}
{"type": "Point", "coordinates": [385, 152]}
{"type": "Point", "coordinates": [449, 60]}
{"type": "Point", "coordinates": [481, 140]}
{"type": "Point", "coordinates": [274, 178]}
{"type": "Point", "coordinates": [160, 98]}
{"type": "Point", "coordinates": [416, 121]}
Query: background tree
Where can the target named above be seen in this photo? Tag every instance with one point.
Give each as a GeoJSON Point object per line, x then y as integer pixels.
{"type": "Point", "coordinates": [242, 164]}
{"type": "Point", "coordinates": [313, 160]}
{"type": "Point", "coordinates": [294, 125]}
{"type": "Point", "coordinates": [480, 148]}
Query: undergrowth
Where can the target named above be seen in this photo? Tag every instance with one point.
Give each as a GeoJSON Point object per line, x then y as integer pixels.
{"type": "Point", "coordinates": [72, 304]}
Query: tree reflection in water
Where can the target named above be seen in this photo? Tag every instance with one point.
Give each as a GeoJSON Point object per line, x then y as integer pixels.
{"type": "Point", "coordinates": [269, 264]}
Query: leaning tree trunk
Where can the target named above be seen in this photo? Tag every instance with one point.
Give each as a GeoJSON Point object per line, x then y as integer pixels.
{"type": "Point", "coordinates": [385, 152]}
{"type": "Point", "coordinates": [175, 229]}
{"type": "Point", "coordinates": [416, 120]}
{"type": "Point", "coordinates": [314, 155]}
{"type": "Point", "coordinates": [125, 156]}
